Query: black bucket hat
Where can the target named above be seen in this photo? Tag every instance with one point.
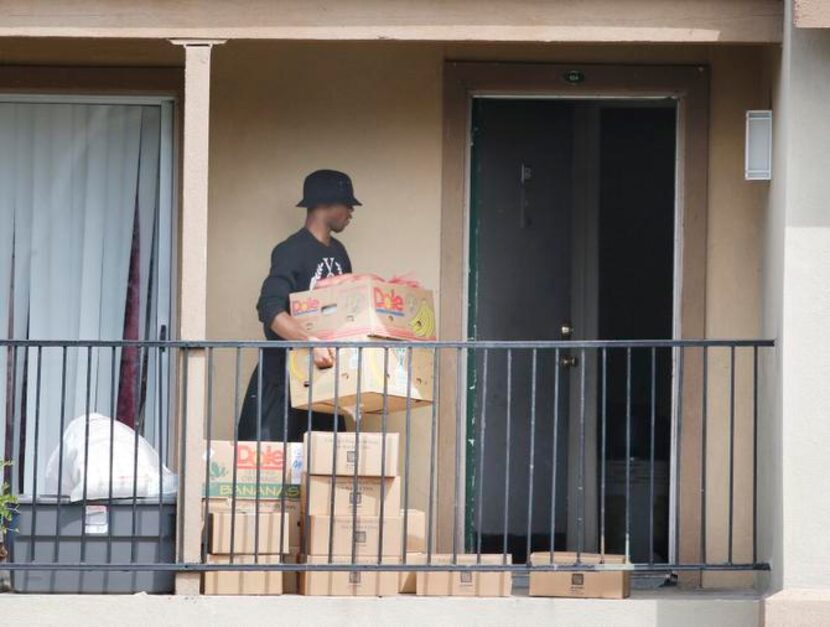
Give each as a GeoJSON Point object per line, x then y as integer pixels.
{"type": "Point", "coordinates": [328, 187]}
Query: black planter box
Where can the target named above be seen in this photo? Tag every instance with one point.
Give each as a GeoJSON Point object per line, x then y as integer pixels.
{"type": "Point", "coordinates": [107, 532]}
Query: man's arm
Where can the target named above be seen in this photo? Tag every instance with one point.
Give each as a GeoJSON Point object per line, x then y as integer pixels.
{"type": "Point", "coordinates": [273, 305]}
{"type": "Point", "coordinates": [288, 328]}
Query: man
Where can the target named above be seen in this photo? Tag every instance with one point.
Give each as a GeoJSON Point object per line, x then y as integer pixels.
{"type": "Point", "coordinates": [297, 263]}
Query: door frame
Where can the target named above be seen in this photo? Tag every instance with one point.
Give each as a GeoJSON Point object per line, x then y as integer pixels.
{"type": "Point", "coordinates": [689, 86]}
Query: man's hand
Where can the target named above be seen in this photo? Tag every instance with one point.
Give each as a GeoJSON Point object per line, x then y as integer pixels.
{"type": "Point", "coordinates": [287, 327]}
{"type": "Point", "coordinates": [323, 357]}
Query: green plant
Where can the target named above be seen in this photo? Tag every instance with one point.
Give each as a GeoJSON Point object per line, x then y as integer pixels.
{"type": "Point", "coordinates": [8, 502]}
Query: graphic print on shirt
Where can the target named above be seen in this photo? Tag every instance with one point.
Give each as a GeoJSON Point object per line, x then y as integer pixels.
{"type": "Point", "coordinates": [328, 265]}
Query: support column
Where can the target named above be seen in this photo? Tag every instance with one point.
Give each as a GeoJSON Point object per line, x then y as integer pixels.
{"type": "Point", "coordinates": [795, 508]}
{"type": "Point", "coordinates": [193, 316]}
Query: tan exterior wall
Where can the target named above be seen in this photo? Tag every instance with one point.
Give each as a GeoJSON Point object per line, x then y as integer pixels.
{"type": "Point", "coordinates": [770, 441]}
{"type": "Point", "coordinates": [745, 21]}
{"type": "Point", "coordinates": [733, 298]}
{"type": "Point", "coordinates": [375, 111]}
{"type": "Point", "coordinates": [811, 13]}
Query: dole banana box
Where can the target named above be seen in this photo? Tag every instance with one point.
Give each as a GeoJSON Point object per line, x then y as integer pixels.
{"type": "Point", "coordinates": [366, 307]}
{"type": "Point", "coordinates": [252, 465]}
{"type": "Point", "coordinates": [404, 384]}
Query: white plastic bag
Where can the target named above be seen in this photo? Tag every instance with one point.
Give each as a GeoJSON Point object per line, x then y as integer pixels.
{"type": "Point", "coordinates": [130, 476]}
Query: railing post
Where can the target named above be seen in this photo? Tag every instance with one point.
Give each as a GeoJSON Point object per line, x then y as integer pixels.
{"type": "Point", "coordinates": [193, 297]}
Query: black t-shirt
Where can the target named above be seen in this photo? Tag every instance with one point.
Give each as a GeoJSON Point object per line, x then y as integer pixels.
{"type": "Point", "coordinates": [296, 265]}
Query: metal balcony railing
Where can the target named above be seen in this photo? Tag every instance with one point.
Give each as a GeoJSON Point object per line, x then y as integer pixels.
{"type": "Point", "coordinates": [637, 448]}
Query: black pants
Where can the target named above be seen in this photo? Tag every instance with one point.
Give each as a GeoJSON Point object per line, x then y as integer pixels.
{"type": "Point", "coordinates": [274, 413]}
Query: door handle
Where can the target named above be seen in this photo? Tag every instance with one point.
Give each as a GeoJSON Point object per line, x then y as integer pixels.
{"type": "Point", "coordinates": [566, 332]}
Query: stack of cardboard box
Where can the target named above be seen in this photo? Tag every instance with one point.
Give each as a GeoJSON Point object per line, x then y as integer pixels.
{"type": "Point", "coordinates": [231, 502]}
{"type": "Point", "coordinates": [365, 308]}
{"type": "Point", "coordinates": [361, 308]}
{"type": "Point", "coordinates": [343, 519]}
{"type": "Point", "coordinates": [233, 533]}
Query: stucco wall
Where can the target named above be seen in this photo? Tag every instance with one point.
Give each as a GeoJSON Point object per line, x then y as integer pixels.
{"type": "Point", "coordinates": [805, 347]}
{"type": "Point", "coordinates": [770, 496]}
{"type": "Point", "coordinates": [794, 506]}
{"type": "Point", "coordinates": [374, 110]}
{"type": "Point", "coordinates": [811, 13]}
{"type": "Point", "coordinates": [734, 259]}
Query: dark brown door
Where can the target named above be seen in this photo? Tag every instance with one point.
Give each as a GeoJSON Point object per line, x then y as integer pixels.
{"type": "Point", "coordinates": [521, 290]}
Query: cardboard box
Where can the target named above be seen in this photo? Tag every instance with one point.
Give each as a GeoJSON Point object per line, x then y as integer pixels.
{"type": "Point", "coordinates": [415, 548]}
{"type": "Point", "coordinates": [319, 445]}
{"type": "Point", "coordinates": [293, 508]}
{"type": "Point", "coordinates": [244, 532]}
{"type": "Point", "coordinates": [366, 501]}
{"type": "Point", "coordinates": [416, 531]}
{"type": "Point", "coordinates": [322, 382]}
{"type": "Point", "coordinates": [291, 579]}
{"type": "Point", "coordinates": [239, 582]}
{"type": "Point", "coordinates": [580, 584]}
{"type": "Point", "coordinates": [348, 583]}
{"type": "Point", "coordinates": [465, 584]}
{"type": "Point", "coordinates": [366, 534]}
{"type": "Point", "coordinates": [270, 462]}
{"type": "Point", "coordinates": [408, 579]}
{"type": "Point", "coordinates": [366, 307]}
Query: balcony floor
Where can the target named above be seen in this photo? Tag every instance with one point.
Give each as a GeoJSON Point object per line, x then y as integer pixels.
{"type": "Point", "coordinates": [664, 607]}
